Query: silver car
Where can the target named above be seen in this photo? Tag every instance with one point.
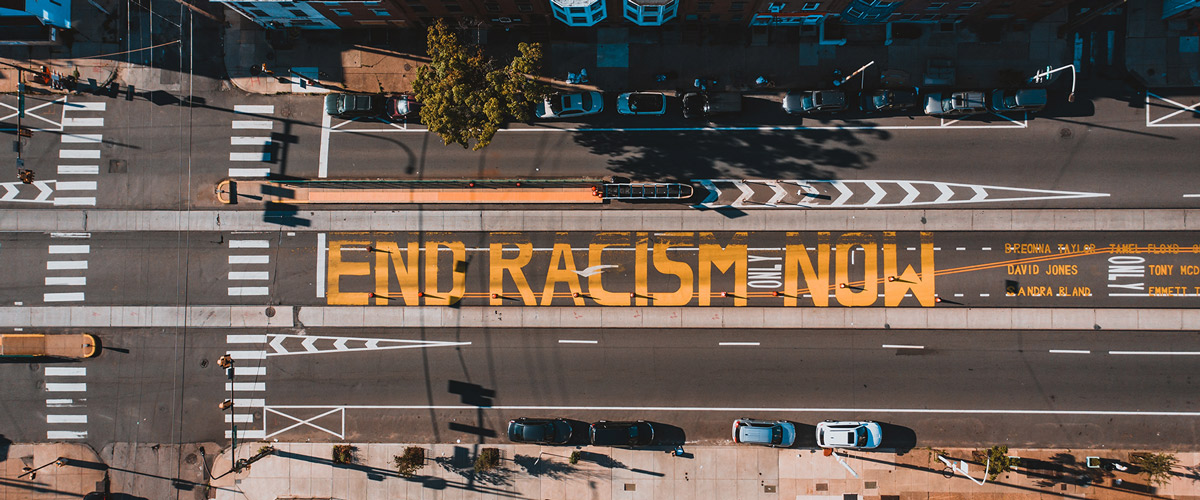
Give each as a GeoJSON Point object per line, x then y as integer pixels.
{"type": "Point", "coordinates": [955, 103]}
{"type": "Point", "coordinates": [854, 435]}
{"type": "Point", "coordinates": [776, 433]}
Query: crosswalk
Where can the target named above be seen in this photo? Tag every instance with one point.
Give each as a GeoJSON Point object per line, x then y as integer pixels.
{"type": "Point", "coordinates": [252, 144]}
{"type": "Point", "coordinates": [249, 267]}
{"type": "Point", "coordinates": [246, 383]}
{"type": "Point", "coordinates": [66, 265]}
{"type": "Point", "coordinates": [66, 402]}
{"type": "Point", "coordinates": [79, 154]}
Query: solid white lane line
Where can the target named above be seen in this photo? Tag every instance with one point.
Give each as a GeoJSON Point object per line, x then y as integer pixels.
{"type": "Point", "coordinates": [66, 281]}
{"type": "Point", "coordinates": [248, 354]}
{"type": "Point", "coordinates": [951, 411]}
{"type": "Point", "coordinates": [62, 249]}
{"type": "Point", "coordinates": [256, 156]}
{"type": "Point", "coordinates": [249, 141]}
{"type": "Point", "coordinates": [78, 169]}
{"type": "Point", "coordinates": [55, 435]}
{"type": "Point", "coordinates": [59, 265]}
{"type": "Point", "coordinates": [561, 341]}
{"type": "Point", "coordinates": [240, 418]}
{"type": "Point", "coordinates": [902, 346]}
{"type": "Point", "coordinates": [63, 297]}
{"type": "Point", "coordinates": [321, 250]}
{"type": "Point", "coordinates": [82, 138]}
{"type": "Point", "coordinates": [323, 155]}
{"type": "Point", "coordinates": [51, 387]}
{"type": "Point", "coordinates": [737, 343]}
{"type": "Point", "coordinates": [249, 172]}
{"type": "Point", "coordinates": [257, 109]}
{"type": "Point", "coordinates": [90, 154]}
{"type": "Point", "coordinates": [249, 275]}
{"type": "Point", "coordinates": [70, 235]}
{"type": "Point", "coordinates": [78, 201]}
{"type": "Point", "coordinates": [253, 124]}
{"type": "Point", "coordinates": [245, 386]}
{"type": "Point", "coordinates": [249, 371]}
{"type": "Point", "coordinates": [245, 339]}
{"type": "Point", "coordinates": [66, 419]}
{"type": "Point", "coordinates": [243, 291]}
{"type": "Point", "coordinates": [85, 106]}
{"type": "Point", "coordinates": [1070, 351]}
{"type": "Point", "coordinates": [59, 371]}
{"type": "Point", "coordinates": [249, 259]}
{"type": "Point", "coordinates": [986, 248]}
{"type": "Point", "coordinates": [1156, 353]}
{"type": "Point", "coordinates": [249, 244]}
{"type": "Point", "coordinates": [75, 186]}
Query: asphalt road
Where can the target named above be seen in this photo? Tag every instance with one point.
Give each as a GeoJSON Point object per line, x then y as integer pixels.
{"type": "Point", "coordinates": [976, 269]}
{"type": "Point", "coordinates": [948, 388]}
{"type": "Point", "coordinates": [157, 153]}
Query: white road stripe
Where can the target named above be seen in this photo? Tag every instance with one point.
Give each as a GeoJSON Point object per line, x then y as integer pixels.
{"type": "Point", "coordinates": [902, 346]}
{"type": "Point", "coordinates": [245, 339]}
{"type": "Point", "coordinates": [738, 343]}
{"type": "Point", "coordinates": [82, 138]}
{"type": "Point", "coordinates": [249, 275]}
{"type": "Point", "coordinates": [79, 387]}
{"type": "Point", "coordinates": [258, 109]}
{"type": "Point", "coordinates": [249, 371]}
{"type": "Point", "coordinates": [249, 141]}
{"type": "Point", "coordinates": [64, 249]}
{"type": "Point", "coordinates": [257, 156]}
{"type": "Point", "coordinates": [83, 122]}
{"type": "Point", "coordinates": [244, 291]}
{"type": "Point", "coordinates": [66, 435]}
{"type": "Point", "coordinates": [78, 169]}
{"type": "Point", "coordinates": [321, 250]}
{"type": "Point", "coordinates": [74, 202]}
{"type": "Point", "coordinates": [245, 386]}
{"type": "Point", "coordinates": [253, 124]}
{"type": "Point", "coordinates": [249, 172]}
{"type": "Point", "coordinates": [66, 419]}
{"type": "Point", "coordinates": [247, 434]}
{"type": "Point", "coordinates": [66, 281]}
{"type": "Point", "coordinates": [240, 418]}
{"type": "Point", "coordinates": [75, 186]}
{"type": "Point", "coordinates": [85, 106]}
{"type": "Point", "coordinates": [561, 341]}
{"type": "Point", "coordinates": [59, 403]}
{"type": "Point", "coordinates": [70, 235]}
{"type": "Point", "coordinates": [63, 297]}
{"type": "Point", "coordinates": [1156, 353]}
{"type": "Point", "coordinates": [59, 371]}
{"type": "Point", "coordinates": [986, 248]}
{"type": "Point", "coordinates": [249, 244]}
{"type": "Point", "coordinates": [248, 354]}
{"type": "Point", "coordinates": [731, 409]}
{"type": "Point", "coordinates": [1069, 351]}
{"type": "Point", "coordinates": [249, 403]}
{"type": "Point", "coordinates": [79, 153]}
{"type": "Point", "coordinates": [58, 265]}
{"type": "Point", "coordinates": [249, 259]}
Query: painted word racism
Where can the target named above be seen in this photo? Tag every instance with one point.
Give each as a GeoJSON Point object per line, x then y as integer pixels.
{"type": "Point", "coordinates": [627, 268]}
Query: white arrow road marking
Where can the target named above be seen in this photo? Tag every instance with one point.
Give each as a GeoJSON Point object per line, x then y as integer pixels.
{"type": "Point", "coordinates": [846, 189]}
{"type": "Point", "coordinates": [844, 196]}
{"type": "Point", "coordinates": [310, 344]}
{"type": "Point", "coordinates": [779, 193]}
{"type": "Point", "coordinates": [713, 193]}
{"type": "Point", "coordinates": [10, 191]}
{"type": "Point", "coordinates": [947, 193]}
{"type": "Point", "coordinates": [912, 192]}
{"type": "Point", "coordinates": [277, 345]}
{"type": "Point", "coordinates": [339, 344]}
{"type": "Point", "coordinates": [594, 270]}
{"type": "Point", "coordinates": [980, 193]}
{"type": "Point", "coordinates": [746, 193]}
{"type": "Point", "coordinates": [879, 193]}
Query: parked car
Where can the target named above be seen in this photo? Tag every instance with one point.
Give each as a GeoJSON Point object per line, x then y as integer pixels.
{"type": "Point", "coordinates": [354, 105]}
{"type": "Point", "coordinates": [1027, 100]}
{"type": "Point", "coordinates": [642, 103]}
{"type": "Point", "coordinates": [814, 101]}
{"type": "Point", "coordinates": [778, 433]}
{"type": "Point", "coordinates": [605, 433]}
{"type": "Point", "coordinates": [856, 435]}
{"type": "Point", "coordinates": [539, 430]}
{"type": "Point", "coordinates": [701, 104]}
{"type": "Point", "coordinates": [400, 106]}
{"type": "Point", "coordinates": [955, 103]}
{"type": "Point", "coordinates": [562, 105]}
{"type": "Point", "coordinates": [887, 100]}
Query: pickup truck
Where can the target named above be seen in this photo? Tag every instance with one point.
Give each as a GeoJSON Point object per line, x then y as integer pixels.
{"type": "Point", "coordinates": [701, 104]}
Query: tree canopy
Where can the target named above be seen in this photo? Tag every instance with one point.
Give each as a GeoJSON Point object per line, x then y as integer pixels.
{"type": "Point", "coordinates": [466, 96]}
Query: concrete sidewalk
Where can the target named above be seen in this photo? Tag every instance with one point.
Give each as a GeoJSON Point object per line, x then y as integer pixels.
{"type": "Point", "coordinates": [305, 470]}
{"type": "Point", "coordinates": [51, 482]}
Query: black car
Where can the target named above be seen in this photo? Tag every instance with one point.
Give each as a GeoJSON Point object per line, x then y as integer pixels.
{"type": "Point", "coordinates": [605, 433]}
{"type": "Point", "coordinates": [887, 100]}
{"type": "Point", "coordinates": [539, 430]}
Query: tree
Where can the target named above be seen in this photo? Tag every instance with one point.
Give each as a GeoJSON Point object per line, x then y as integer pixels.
{"type": "Point", "coordinates": [997, 459]}
{"type": "Point", "coordinates": [1156, 466]}
{"type": "Point", "coordinates": [466, 96]}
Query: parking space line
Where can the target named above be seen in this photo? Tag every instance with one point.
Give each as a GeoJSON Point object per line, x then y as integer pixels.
{"type": "Point", "coordinates": [738, 343]}
{"type": "Point", "coordinates": [1069, 351]}
{"type": "Point", "coordinates": [562, 341]}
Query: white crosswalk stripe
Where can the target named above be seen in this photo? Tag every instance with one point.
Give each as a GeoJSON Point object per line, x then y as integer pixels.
{"type": "Point", "coordinates": [242, 267]}
{"type": "Point", "coordinates": [254, 148]}
{"type": "Point", "coordinates": [247, 377]}
{"type": "Point", "coordinates": [62, 272]}
{"type": "Point", "coordinates": [79, 114]}
{"type": "Point", "coordinates": [64, 416]}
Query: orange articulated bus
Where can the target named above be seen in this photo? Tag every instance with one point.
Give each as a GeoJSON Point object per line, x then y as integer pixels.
{"type": "Point", "coordinates": [41, 345]}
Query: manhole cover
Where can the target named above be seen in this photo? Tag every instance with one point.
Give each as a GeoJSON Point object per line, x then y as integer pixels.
{"type": "Point", "coordinates": [190, 459]}
{"type": "Point", "coordinates": [768, 488]}
{"type": "Point", "coordinates": [204, 363]}
{"type": "Point", "coordinates": [270, 312]}
{"type": "Point", "coordinates": [1065, 133]}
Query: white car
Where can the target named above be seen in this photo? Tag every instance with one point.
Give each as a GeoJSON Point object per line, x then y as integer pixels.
{"type": "Point", "coordinates": [855, 435]}
{"type": "Point", "coordinates": [642, 103]}
{"type": "Point", "coordinates": [570, 105]}
{"type": "Point", "coordinates": [776, 433]}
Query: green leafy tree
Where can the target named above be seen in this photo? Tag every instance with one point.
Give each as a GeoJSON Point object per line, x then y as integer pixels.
{"type": "Point", "coordinates": [1155, 466]}
{"type": "Point", "coordinates": [466, 96]}
{"type": "Point", "coordinates": [997, 459]}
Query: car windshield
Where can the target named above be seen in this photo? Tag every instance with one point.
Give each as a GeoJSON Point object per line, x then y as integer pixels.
{"type": "Point", "coordinates": [556, 103]}
{"type": "Point", "coordinates": [777, 435]}
{"type": "Point", "coordinates": [646, 103]}
{"type": "Point", "coordinates": [860, 436]}
{"type": "Point", "coordinates": [806, 102]}
{"type": "Point", "coordinates": [1010, 99]}
{"type": "Point", "coordinates": [882, 100]}
{"type": "Point", "coordinates": [585, 101]}
{"type": "Point", "coordinates": [633, 431]}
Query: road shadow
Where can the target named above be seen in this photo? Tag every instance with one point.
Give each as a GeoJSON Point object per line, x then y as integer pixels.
{"type": "Point", "coordinates": [897, 437]}
{"type": "Point", "coordinates": [5, 444]}
{"type": "Point", "coordinates": [601, 459]}
{"type": "Point", "coordinates": [539, 466]}
{"type": "Point", "coordinates": [462, 462]}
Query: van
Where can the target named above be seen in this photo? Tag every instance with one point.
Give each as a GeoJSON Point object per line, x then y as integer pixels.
{"type": "Point", "coordinates": [701, 104]}
{"type": "Point", "coordinates": [39, 345]}
{"type": "Point", "coordinates": [776, 433]}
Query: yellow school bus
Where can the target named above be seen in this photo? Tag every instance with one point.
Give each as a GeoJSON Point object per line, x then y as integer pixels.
{"type": "Point", "coordinates": [37, 345]}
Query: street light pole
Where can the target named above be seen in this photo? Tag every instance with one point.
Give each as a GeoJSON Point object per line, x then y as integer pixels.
{"type": "Point", "coordinates": [838, 83]}
{"type": "Point", "coordinates": [1048, 72]}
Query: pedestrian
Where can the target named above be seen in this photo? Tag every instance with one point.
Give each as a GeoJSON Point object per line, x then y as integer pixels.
{"type": "Point", "coordinates": [761, 81]}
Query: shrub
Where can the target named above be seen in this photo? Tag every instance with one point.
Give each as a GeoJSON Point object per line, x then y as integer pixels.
{"type": "Point", "coordinates": [411, 461]}
{"type": "Point", "coordinates": [575, 457]}
{"type": "Point", "coordinates": [265, 450]}
{"type": "Point", "coordinates": [1156, 466]}
{"type": "Point", "coordinates": [344, 453]}
{"type": "Point", "coordinates": [1000, 461]}
{"type": "Point", "coordinates": [488, 459]}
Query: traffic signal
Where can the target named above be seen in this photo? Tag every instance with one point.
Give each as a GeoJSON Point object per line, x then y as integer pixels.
{"type": "Point", "coordinates": [25, 132]}
{"type": "Point", "coordinates": [25, 176]}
